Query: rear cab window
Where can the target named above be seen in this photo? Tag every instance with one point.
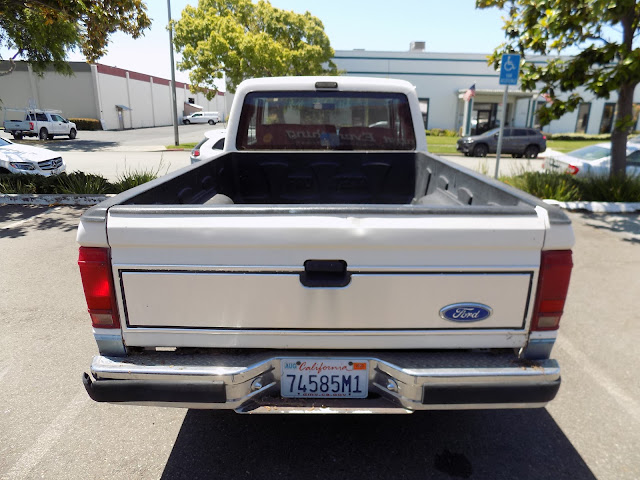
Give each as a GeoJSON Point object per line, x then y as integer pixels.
{"type": "Point", "coordinates": [325, 121]}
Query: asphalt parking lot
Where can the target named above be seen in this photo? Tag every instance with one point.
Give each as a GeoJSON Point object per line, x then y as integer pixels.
{"type": "Point", "coordinates": [49, 428]}
{"type": "Point", "coordinates": [114, 153]}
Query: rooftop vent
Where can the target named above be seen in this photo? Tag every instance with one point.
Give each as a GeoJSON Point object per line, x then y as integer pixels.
{"type": "Point", "coordinates": [417, 47]}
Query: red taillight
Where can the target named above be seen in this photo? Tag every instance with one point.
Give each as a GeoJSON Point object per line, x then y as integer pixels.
{"type": "Point", "coordinates": [544, 137]}
{"type": "Point", "coordinates": [553, 284]}
{"type": "Point", "coordinates": [30, 125]}
{"type": "Point", "coordinates": [95, 270]}
{"type": "Point", "coordinates": [196, 153]}
{"type": "Point", "coordinates": [573, 170]}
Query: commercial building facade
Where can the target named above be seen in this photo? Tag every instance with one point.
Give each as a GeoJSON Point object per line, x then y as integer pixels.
{"type": "Point", "coordinates": [442, 79]}
{"type": "Point", "coordinates": [120, 99]}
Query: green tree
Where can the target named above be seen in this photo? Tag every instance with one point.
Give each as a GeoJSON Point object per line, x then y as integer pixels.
{"type": "Point", "coordinates": [240, 39]}
{"type": "Point", "coordinates": [43, 31]}
{"type": "Point", "coordinates": [603, 32]}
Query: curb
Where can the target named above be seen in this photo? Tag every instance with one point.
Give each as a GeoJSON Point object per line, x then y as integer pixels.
{"type": "Point", "coordinates": [55, 199]}
{"type": "Point", "coordinates": [598, 207]}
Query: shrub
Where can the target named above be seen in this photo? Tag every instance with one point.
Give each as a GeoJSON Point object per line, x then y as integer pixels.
{"type": "Point", "coordinates": [578, 136]}
{"type": "Point", "coordinates": [27, 184]}
{"type": "Point", "coordinates": [567, 188]}
{"type": "Point", "coordinates": [83, 183]}
{"type": "Point", "coordinates": [133, 179]}
{"type": "Point", "coordinates": [87, 123]}
{"type": "Point", "coordinates": [558, 186]}
{"type": "Point", "coordinates": [618, 188]}
{"type": "Point", "coordinates": [439, 132]}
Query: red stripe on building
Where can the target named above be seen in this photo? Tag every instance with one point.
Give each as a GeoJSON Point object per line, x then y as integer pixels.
{"type": "Point", "coordinates": [120, 72]}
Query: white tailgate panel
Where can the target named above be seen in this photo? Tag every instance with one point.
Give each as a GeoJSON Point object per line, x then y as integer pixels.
{"type": "Point", "coordinates": [280, 301]}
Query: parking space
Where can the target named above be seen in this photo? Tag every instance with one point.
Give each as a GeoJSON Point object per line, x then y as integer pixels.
{"type": "Point", "coordinates": [49, 428]}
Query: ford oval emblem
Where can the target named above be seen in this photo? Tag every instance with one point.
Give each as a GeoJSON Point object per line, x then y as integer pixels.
{"type": "Point", "coordinates": [466, 312]}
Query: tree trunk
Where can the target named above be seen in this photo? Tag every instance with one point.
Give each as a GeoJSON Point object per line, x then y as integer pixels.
{"type": "Point", "coordinates": [622, 127]}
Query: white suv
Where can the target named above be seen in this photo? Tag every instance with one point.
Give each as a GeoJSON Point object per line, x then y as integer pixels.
{"type": "Point", "coordinates": [202, 117]}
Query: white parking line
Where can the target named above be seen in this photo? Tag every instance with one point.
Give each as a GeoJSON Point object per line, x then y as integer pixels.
{"type": "Point", "coordinates": [20, 222]}
{"type": "Point", "coordinates": [47, 440]}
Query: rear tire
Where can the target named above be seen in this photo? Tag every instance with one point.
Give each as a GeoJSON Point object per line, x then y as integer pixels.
{"type": "Point", "coordinates": [43, 134]}
{"type": "Point", "coordinates": [480, 150]}
{"type": "Point", "coordinates": [17, 135]}
{"type": "Point", "coordinates": [72, 133]}
{"type": "Point", "coordinates": [531, 151]}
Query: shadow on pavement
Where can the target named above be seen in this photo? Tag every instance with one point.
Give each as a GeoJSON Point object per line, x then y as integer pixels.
{"type": "Point", "coordinates": [67, 145]}
{"type": "Point", "coordinates": [17, 221]}
{"type": "Point", "coordinates": [490, 444]}
{"type": "Point", "coordinates": [617, 223]}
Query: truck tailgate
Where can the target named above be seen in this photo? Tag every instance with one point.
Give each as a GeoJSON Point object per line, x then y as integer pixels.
{"type": "Point", "coordinates": [220, 279]}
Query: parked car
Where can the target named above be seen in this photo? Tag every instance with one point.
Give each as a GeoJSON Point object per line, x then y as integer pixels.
{"type": "Point", "coordinates": [211, 146]}
{"type": "Point", "coordinates": [44, 124]}
{"type": "Point", "coordinates": [519, 142]}
{"type": "Point", "coordinates": [202, 117]}
{"type": "Point", "coordinates": [594, 160]}
{"type": "Point", "coordinates": [15, 158]}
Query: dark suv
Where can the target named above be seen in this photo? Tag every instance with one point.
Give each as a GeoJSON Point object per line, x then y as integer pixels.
{"type": "Point", "coordinates": [519, 142]}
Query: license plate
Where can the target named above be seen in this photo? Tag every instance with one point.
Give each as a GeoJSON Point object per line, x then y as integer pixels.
{"type": "Point", "coordinates": [324, 378]}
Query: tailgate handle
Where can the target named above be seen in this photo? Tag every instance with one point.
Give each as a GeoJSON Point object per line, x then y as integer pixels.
{"type": "Point", "coordinates": [325, 274]}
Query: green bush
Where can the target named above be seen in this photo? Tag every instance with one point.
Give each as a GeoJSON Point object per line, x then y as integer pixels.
{"type": "Point", "coordinates": [83, 183]}
{"type": "Point", "coordinates": [558, 186]}
{"type": "Point", "coordinates": [619, 188]}
{"type": "Point", "coordinates": [133, 179]}
{"type": "Point", "coordinates": [87, 123]}
{"type": "Point", "coordinates": [578, 136]}
{"type": "Point", "coordinates": [27, 184]}
{"type": "Point", "coordinates": [439, 132]}
{"type": "Point", "coordinates": [567, 188]}
{"type": "Point", "coordinates": [73, 183]}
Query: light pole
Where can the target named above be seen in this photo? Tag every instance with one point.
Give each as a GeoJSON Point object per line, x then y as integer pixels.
{"type": "Point", "coordinates": [174, 108]}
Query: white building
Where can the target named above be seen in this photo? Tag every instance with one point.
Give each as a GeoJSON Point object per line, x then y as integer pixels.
{"type": "Point", "coordinates": [442, 79]}
{"type": "Point", "coordinates": [120, 99]}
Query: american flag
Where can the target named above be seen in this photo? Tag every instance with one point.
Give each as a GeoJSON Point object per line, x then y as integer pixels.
{"type": "Point", "coordinates": [470, 93]}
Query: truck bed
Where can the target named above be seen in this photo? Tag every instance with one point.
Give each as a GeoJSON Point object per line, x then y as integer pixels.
{"type": "Point", "coordinates": [420, 180]}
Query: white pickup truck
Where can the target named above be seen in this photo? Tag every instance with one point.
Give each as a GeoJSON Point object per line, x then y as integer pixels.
{"type": "Point", "coordinates": [324, 261]}
{"type": "Point", "coordinates": [44, 124]}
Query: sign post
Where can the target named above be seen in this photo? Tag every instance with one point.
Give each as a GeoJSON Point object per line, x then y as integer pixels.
{"type": "Point", "coordinates": [509, 71]}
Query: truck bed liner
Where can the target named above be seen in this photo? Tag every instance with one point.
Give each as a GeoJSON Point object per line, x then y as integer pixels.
{"type": "Point", "coordinates": [391, 178]}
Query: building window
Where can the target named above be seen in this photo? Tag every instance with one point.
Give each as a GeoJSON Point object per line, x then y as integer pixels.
{"type": "Point", "coordinates": [608, 114]}
{"type": "Point", "coordinates": [583, 117]}
{"type": "Point", "coordinates": [192, 100]}
{"type": "Point", "coordinates": [536, 115]}
{"type": "Point", "coordinates": [484, 117]}
{"type": "Point", "coordinates": [424, 109]}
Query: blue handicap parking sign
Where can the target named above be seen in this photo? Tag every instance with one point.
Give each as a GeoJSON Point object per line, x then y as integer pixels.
{"type": "Point", "coordinates": [509, 69]}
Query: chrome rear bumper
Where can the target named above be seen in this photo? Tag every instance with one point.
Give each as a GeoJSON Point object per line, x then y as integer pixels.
{"type": "Point", "coordinates": [399, 381]}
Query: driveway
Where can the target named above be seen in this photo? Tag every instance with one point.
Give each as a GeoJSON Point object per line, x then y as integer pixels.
{"type": "Point", "coordinates": [49, 428]}
{"type": "Point", "coordinates": [140, 139]}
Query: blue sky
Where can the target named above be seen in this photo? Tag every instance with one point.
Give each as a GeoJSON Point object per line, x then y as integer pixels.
{"type": "Point", "coordinates": [445, 26]}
